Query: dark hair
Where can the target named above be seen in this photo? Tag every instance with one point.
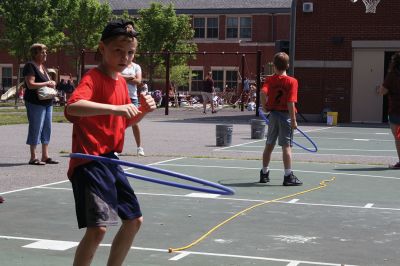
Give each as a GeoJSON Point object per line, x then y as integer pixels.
{"type": "Point", "coordinates": [395, 62]}
{"type": "Point", "coordinates": [117, 28]}
{"type": "Point", "coordinates": [281, 61]}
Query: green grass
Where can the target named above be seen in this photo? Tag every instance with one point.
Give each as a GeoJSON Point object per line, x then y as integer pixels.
{"type": "Point", "coordinates": [11, 116]}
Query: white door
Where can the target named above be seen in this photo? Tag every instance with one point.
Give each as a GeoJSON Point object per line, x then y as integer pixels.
{"type": "Point", "coordinates": [368, 68]}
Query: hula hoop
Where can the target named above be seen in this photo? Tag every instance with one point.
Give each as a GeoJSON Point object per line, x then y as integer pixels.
{"type": "Point", "coordinates": [219, 189]}
{"type": "Point", "coordinates": [298, 129]}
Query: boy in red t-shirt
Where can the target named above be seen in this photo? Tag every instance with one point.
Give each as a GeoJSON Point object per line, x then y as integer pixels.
{"type": "Point", "coordinates": [278, 96]}
{"type": "Point", "coordinates": [100, 110]}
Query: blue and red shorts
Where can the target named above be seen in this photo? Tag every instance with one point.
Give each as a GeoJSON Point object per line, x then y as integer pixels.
{"type": "Point", "coordinates": [102, 194]}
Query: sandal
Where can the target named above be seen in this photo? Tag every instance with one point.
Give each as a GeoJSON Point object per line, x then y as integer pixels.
{"type": "Point", "coordinates": [50, 161]}
{"type": "Point", "coordinates": [36, 162]}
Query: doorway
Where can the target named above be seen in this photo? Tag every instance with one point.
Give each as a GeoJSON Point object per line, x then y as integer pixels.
{"type": "Point", "coordinates": [368, 71]}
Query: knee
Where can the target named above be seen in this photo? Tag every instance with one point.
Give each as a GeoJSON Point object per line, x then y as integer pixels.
{"type": "Point", "coordinates": [96, 234]}
{"type": "Point", "coordinates": [134, 224]}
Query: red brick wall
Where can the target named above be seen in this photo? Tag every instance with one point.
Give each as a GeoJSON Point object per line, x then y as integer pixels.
{"type": "Point", "coordinates": [282, 27]}
{"type": "Point", "coordinates": [314, 33]}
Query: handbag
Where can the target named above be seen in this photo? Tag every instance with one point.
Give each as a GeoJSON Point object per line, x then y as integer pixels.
{"type": "Point", "coordinates": [46, 93]}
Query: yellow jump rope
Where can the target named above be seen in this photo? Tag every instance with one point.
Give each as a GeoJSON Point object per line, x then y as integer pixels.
{"type": "Point", "coordinates": [322, 185]}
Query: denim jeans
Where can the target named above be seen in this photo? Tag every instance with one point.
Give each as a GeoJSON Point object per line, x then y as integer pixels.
{"type": "Point", "coordinates": [39, 118]}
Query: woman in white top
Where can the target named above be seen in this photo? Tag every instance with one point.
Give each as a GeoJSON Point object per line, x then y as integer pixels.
{"type": "Point", "coordinates": [133, 76]}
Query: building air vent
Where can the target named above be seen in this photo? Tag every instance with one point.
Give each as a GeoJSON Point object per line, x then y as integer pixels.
{"type": "Point", "coordinates": [308, 7]}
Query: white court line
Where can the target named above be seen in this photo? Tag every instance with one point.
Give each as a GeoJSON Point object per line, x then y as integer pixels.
{"type": "Point", "coordinates": [273, 169]}
{"type": "Point", "coordinates": [368, 205]}
{"type": "Point", "coordinates": [28, 188]}
{"type": "Point", "coordinates": [59, 182]}
{"type": "Point", "coordinates": [242, 144]}
{"type": "Point", "coordinates": [52, 245]}
{"type": "Point", "coordinates": [238, 145]}
{"type": "Point", "coordinates": [293, 263]}
{"type": "Point", "coordinates": [314, 154]}
{"type": "Point", "coordinates": [202, 195]}
{"type": "Point", "coordinates": [170, 160]}
{"type": "Point", "coordinates": [327, 149]}
{"type": "Point", "coordinates": [325, 138]}
{"type": "Point", "coordinates": [294, 201]}
{"type": "Point", "coordinates": [180, 256]}
{"type": "Point", "coordinates": [192, 252]}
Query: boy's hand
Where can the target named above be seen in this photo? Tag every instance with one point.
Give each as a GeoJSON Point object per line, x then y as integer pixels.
{"type": "Point", "coordinates": [147, 103]}
{"type": "Point", "coordinates": [293, 123]}
{"type": "Point", "coordinates": [127, 110]}
{"type": "Point", "coordinates": [382, 90]}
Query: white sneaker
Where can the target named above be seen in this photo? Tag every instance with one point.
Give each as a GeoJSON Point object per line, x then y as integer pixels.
{"type": "Point", "coordinates": [140, 151]}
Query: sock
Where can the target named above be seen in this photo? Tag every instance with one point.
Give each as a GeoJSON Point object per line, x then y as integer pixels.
{"type": "Point", "coordinates": [265, 170]}
{"type": "Point", "coordinates": [288, 172]}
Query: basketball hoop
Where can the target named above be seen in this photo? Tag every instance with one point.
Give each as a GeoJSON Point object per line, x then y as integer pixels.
{"type": "Point", "coordinates": [370, 5]}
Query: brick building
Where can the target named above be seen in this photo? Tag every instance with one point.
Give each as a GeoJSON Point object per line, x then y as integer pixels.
{"type": "Point", "coordinates": [341, 55]}
{"type": "Point", "coordinates": [220, 26]}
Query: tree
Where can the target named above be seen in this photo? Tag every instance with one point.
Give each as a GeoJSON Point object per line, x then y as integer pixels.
{"type": "Point", "coordinates": [84, 24]}
{"type": "Point", "coordinates": [160, 29]}
{"type": "Point", "coordinates": [27, 22]}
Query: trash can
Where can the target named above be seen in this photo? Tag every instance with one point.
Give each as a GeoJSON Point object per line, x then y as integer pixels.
{"type": "Point", "coordinates": [331, 118]}
{"type": "Point", "coordinates": [224, 135]}
{"type": "Point", "coordinates": [257, 129]}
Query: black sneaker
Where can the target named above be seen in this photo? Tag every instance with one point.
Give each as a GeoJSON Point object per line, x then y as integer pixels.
{"type": "Point", "coordinates": [291, 180]}
{"type": "Point", "coordinates": [395, 166]}
{"type": "Point", "coordinates": [264, 178]}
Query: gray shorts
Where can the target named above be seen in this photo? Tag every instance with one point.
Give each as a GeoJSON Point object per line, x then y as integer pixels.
{"type": "Point", "coordinates": [103, 193]}
{"type": "Point", "coordinates": [279, 128]}
{"type": "Point", "coordinates": [207, 97]}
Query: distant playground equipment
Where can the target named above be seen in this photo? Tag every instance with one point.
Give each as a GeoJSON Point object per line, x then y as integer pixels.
{"type": "Point", "coordinates": [10, 93]}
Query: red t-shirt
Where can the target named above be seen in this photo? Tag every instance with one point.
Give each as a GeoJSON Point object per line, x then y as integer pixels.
{"type": "Point", "coordinates": [100, 134]}
{"type": "Point", "coordinates": [280, 90]}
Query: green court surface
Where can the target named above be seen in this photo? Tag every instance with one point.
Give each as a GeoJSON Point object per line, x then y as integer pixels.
{"type": "Point", "coordinates": [354, 220]}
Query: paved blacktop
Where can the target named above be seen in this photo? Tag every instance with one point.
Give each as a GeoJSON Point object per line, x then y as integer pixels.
{"type": "Point", "coordinates": [353, 221]}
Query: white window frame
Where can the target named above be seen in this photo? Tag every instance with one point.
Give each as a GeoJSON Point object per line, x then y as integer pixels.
{"type": "Point", "coordinates": [1, 75]}
{"type": "Point", "coordinates": [238, 28]}
{"type": "Point", "coordinates": [206, 27]}
{"type": "Point", "coordinates": [224, 69]}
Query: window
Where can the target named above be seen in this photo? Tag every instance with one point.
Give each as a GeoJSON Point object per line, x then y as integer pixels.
{"type": "Point", "coordinates": [197, 80]}
{"type": "Point", "coordinates": [245, 28]}
{"type": "Point", "coordinates": [212, 28]}
{"type": "Point", "coordinates": [232, 28]}
{"type": "Point", "coordinates": [218, 77]}
{"type": "Point", "coordinates": [6, 77]}
{"type": "Point", "coordinates": [21, 77]}
{"type": "Point", "coordinates": [238, 27]}
{"type": "Point", "coordinates": [205, 28]}
{"type": "Point", "coordinates": [199, 25]}
{"type": "Point", "coordinates": [231, 78]}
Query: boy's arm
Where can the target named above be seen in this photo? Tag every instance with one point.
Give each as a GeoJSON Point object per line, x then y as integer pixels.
{"type": "Point", "coordinates": [89, 108]}
{"type": "Point", "coordinates": [263, 99]}
{"type": "Point", "coordinates": [147, 104]}
{"type": "Point", "coordinates": [292, 114]}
